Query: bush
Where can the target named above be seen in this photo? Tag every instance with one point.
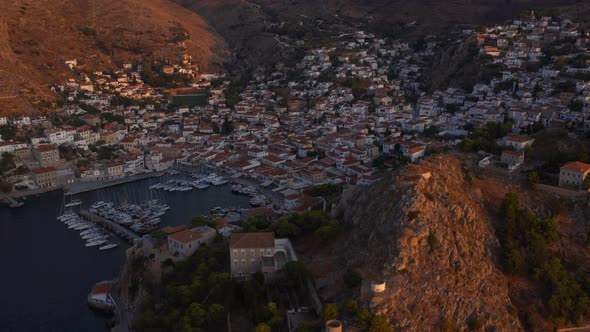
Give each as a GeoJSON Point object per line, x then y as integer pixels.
{"type": "Point", "coordinates": [413, 214]}
{"type": "Point", "coordinates": [474, 323]}
{"type": "Point", "coordinates": [533, 177]}
{"type": "Point", "coordinates": [351, 307]}
{"type": "Point", "coordinates": [330, 312]}
{"type": "Point", "coordinates": [433, 241]}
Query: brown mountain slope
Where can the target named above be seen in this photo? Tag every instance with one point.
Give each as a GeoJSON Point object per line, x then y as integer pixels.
{"type": "Point", "coordinates": [37, 36]}
{"type": "Point", "coordinates": [428, 236]}
{"type": "Point", "coordinates": [429, 232]}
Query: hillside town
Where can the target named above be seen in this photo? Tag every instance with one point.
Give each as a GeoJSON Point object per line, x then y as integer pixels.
{"type": "Point", "coordinates": [338, 114]}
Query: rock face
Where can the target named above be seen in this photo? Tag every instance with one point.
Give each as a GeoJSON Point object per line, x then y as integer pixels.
{"type": "Point", "coordinates": [425, 233]}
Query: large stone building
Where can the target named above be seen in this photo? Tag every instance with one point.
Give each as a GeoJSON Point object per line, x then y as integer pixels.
{"type": "Point", "coordinates": [45, 177]}
{"type": "Point", "coordinates": [573, 174]}
{"type": "Point", "coordinates": [46, 154]}
{"type": "Point", "coordinates": [258, 252]}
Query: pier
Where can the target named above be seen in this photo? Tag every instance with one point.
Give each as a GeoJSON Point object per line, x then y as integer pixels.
{"type": "Point", "coordinates": [117, 229]}
{"type": "Point", "coordinates": [13, 203]}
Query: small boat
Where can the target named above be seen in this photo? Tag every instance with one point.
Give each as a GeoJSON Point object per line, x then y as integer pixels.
{"type": "Point", "coordinates": [108, 246]}
{"type": "Point", "coordinates": [88, 231]}
{"type": "Point", "coordinates": [82, 227]}
{"type": "Point", "coordinates": [73, 203]}
{"type": "Point", "coordinates": [96, 243]}
{"type": "Point", "coordinates": [100, 297]}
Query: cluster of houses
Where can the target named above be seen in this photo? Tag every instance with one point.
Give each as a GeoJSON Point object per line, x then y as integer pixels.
{"type": "Point", "coordinates": [324, 119]}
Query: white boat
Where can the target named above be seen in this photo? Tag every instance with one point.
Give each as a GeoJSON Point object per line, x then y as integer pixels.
{"type": "Point", "coordinates": [73, 203]}
{"type": "Point", "coordinates": [89, 230]}
{"type": "Point", "coordinates": [89, 237]}
{"type": "Point", "coordinates": [108, 246]}
{"type": "Point", "coordinates": [95, 243]}
{"type": "Point", "coordinates": [98, 237]}
{"type": "Point", "coordinates": [82, 227]}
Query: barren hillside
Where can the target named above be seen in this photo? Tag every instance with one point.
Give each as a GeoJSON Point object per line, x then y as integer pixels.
{"type": "Point", "coordinates": [37, 36]}
{"type": "Point", "coordinates": [430, 233]}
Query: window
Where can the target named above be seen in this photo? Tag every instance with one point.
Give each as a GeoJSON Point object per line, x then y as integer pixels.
{"type": "Point", "coordinates": [269, 251]}
{"type": "Point", "coordinates": [261, 252]}
{"type": "Point", "coordinates": [243, 252]}
{"type": "Point", "coordinates": [252, 261]}
{"type": "Point", "coordinates": [235, 253]}
{"type": "Point", "coordinates": [243, 262]}
{"type": "Point", "coordinates": [235, 262]}
{"type": "Point", "coordinates": [251, 252]}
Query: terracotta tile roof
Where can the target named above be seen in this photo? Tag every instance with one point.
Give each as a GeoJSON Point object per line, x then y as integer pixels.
{"type": "Point", "coordinates": [103, 288]}
{"type": "Point", "coordinates": [45, 147]}
{"type": "Point", "coordinates": [252, 240]}
{"type": "Point", "coordinates": [576, 166]}
{"type": "Point", "coordinates": [44, 170]}
{"type": "Point", "coordinates": [185, 236]}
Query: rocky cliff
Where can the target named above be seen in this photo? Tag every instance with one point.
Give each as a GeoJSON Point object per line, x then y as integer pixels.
{"type": "Point", "coordinates": [426, 234]}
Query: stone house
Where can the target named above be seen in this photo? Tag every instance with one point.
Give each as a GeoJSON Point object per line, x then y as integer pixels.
{"type": "Point", "coordinates": [573, 174]}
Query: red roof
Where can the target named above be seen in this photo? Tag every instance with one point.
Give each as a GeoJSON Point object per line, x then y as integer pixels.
{"type": "Point", "coordinates": [103, 288]}
{"type": "Point", "coordinates": [185, 236]}
{"type": "Point", "coordinates": [576, 166]}
{"type": "Point", "coordinates": [44, 170]}
{"type": "Point", "coordinates": [45, 148]}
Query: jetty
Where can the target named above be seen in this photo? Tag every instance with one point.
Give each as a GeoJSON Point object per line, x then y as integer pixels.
{"type": "Point", "coordinates": [13, 203]}
{"type": "Point", "coordinates": [115, 228]}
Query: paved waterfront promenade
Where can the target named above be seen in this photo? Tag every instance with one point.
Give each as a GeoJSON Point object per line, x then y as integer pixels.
{"type": "Point", "coordinates": [80, 187]}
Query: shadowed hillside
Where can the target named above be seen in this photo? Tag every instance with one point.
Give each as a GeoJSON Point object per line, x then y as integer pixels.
{"type": "Point", "coordinates": [37, 36]}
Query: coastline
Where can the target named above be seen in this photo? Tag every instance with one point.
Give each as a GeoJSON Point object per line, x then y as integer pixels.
{"type": "Point", "coordinates": [82, 187]}
{"type": "Point", "coordinates": [79, 187]}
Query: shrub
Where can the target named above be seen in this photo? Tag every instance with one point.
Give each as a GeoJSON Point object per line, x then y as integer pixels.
{"type": "Point", "coordinates": [330, 312]}
{"type": "Point", "coordinates": [351, 307]}
{"type": "Point", "coordinates": [474, 323]}
{"type": "Point", "coordinates": [413, 214]}
{"type": "Point", "coordinates": [433, 241]}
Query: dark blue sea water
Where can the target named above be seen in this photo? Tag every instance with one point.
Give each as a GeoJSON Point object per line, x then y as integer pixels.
{"type": "Point", "coordinates": [46, 272]}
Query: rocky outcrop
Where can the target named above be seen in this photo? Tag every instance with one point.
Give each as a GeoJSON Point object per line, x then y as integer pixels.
{"type": "Point", "coordinates": [425, 233]}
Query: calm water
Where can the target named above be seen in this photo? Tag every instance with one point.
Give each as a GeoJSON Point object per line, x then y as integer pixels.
{"type": "Point", "coordinates": [47, 272]}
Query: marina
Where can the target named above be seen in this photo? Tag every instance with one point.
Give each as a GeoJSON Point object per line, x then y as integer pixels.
{"type": "Point", "coordinates": [78, 268]}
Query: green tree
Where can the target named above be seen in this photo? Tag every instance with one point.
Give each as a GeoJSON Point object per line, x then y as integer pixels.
{"type": "Point", "coordinates": [533, 177]}
{"type": "Point", "coordinates": [198, 314]}
{"type": "Point", "coordinates": [200, 220]}
{"type": "Point", "coordinates": [350, 307]}
{"type": "Point", "coordinates": [284, 228]}
{"type": "Point", "coordinates": [379, 324]}
{"type": "Point", "coordinates": [216, 312]}
{"type": "Point", "coordinates": [363, 318]}
{"type": "Point", "coordinates": [330, 312]}
{"type": "Point", "coordinates": [263, 327]}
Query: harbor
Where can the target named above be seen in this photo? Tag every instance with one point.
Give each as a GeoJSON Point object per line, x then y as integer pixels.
{"type": "Point", "coordinates": [78, 268]}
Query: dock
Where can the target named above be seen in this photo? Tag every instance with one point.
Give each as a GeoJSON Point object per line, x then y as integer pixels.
{"type": "Point", "coordinates": [115, 228]}
{"type": "Point", "coordinates": [13, 203]}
